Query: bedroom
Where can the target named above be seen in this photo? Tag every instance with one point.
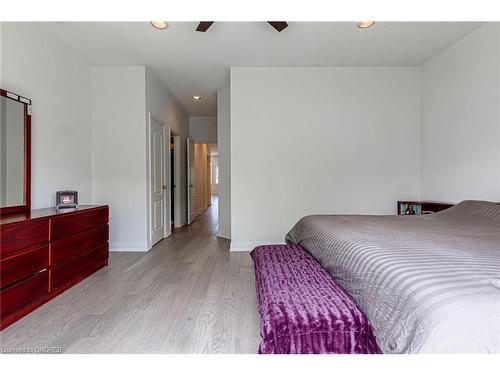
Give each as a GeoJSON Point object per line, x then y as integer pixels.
{"type": "Point", "coordinates": [340, 119]}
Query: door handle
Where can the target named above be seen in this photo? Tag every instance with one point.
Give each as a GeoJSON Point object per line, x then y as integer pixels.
{"type": "Point", "coordinates": [164, 187]}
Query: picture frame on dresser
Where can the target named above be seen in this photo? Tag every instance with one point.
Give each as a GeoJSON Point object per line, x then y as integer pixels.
{"type": "Point", "coordinates": [66, 199]}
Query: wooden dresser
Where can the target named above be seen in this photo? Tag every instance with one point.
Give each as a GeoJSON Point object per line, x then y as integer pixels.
{"type": "Point", "coordinates": [46, 252]}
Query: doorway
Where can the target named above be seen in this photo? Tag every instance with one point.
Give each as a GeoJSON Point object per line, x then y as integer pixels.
{"type": "Point", "coordinates": [214, 173]}
{"type": "Point", "coordinates": [175, 181]}
{"type": "Point", "coordinates": [209, 180]}
{"type": "Point", "coordinates": [200, 176]}
{"type": "Point", "coordinates": [159, 173]}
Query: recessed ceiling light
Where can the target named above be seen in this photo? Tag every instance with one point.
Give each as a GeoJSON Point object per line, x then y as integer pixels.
{"type": "Point", "coordinates": [159, 24]}
{"type": "Point", "coordinates": [365, 24]}
{"type": "Point", "coordinates": [196, 97]}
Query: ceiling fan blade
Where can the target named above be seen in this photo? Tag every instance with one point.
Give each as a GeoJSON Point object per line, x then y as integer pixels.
{"type": "Point", "coordinates": [278, 25]}
{"type": "Point", "coordinates": [203, 26]}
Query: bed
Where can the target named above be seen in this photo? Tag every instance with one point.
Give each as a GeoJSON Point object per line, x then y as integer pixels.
{"type": "Point", "coordinates": [428, 284]}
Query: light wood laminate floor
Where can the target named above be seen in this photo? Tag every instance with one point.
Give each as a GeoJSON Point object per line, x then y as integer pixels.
{"type": "Point", "coordinates": [189, 294]}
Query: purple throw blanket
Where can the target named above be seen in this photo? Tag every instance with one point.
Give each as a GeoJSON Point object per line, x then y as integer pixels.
{"type": "Point", "coordinates": [302, 308]}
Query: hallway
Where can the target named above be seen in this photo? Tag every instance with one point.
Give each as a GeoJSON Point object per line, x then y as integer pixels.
{"type": "Point", "coordinates": [189, 294]}
{"type": "Point", "coordinates": [207, 221]}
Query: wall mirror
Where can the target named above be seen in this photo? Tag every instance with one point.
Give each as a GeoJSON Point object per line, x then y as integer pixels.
{"type": "Point", "coordinates": [15, 153]}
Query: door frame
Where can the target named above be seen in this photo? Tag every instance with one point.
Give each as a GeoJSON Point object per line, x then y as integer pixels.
{"type": "Point", "coordinates": [178, 221]}
{"type": "Point", "coordinates": [167, 230]}
{"type": "Point", "coordinates": [189, 183]}
{"type": "Point", "coordinates": [209, 179]}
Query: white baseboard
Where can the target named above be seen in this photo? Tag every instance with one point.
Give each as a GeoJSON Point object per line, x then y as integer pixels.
{"type": "Point", "coordinates": [243, 246]}
{"type": "Point", "coordinates": [249, 246]}
{"type": "Point", "coordinates": [127, 249]}
{"type": "Point", "coordinates": [200, 211]}
{"type": "Point", "coordinates": [224, 233]}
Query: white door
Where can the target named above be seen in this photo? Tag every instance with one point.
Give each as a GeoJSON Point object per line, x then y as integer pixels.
{"type": "Point", "coordinates": [159, 174]}
{"type": "Point", "coordinates": [191, 210]}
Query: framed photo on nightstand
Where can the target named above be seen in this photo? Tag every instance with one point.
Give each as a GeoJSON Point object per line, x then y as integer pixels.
{"type": "Point", "coordinates": [409, 208]}
{"type": "Point", "coordinates": [421, 207]}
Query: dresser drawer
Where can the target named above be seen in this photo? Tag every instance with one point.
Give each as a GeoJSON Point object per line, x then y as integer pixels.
{"type": "Point", "coordinates": [67, 225]}
{"type": "Point", "coordinates": [23, 264]}
{"type": "Point", "coordinates": [63, 249]}
{"type": "Point", "coordinates": [23, 235]}
{"type": "Point", "coordinates": [22, 294]}
{"type": "Point", "coordinates": [78, 268]}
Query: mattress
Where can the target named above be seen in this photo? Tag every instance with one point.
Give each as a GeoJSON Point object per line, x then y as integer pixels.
{"type": "Point", "coordinates": [428, 284]}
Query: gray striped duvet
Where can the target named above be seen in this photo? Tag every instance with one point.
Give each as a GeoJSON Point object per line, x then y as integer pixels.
{"type": "Point", "coordinates": [428, 284]}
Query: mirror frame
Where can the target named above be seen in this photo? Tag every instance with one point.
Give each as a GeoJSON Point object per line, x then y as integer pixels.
{"type": "Point", "coordinates": [26, 207]}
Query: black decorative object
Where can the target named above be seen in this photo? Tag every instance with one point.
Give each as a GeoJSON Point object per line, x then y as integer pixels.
{"type": "Point", "coordinates": [66, 199]}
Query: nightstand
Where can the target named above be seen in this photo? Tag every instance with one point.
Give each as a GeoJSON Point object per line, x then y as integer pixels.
{"type": "Point", "coordinates": [421, 207]}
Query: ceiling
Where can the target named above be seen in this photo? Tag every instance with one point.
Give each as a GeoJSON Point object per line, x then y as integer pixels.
{"type": "Point", "coordinates": [194, 63]}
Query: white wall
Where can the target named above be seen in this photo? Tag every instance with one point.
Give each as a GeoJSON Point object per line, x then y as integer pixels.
{"type": "Point", "coordinates": [119, 146]}
{"type": "Point", "coordinates": [319, 140]}
{"type": "Point", "coordinates": [89, 128]}
{"type": "Point", "coordinates": [461, 119]}
{"type": "Point", "coordinates": [162, 104]}
{"type": "Point", "coordinates": [39, 67]}
{"type": "Point", "coordinates": [224, 160]}
{"type": "Point", "coordinates": [203, 129]}
{"type": "Point", "coordinates": [120, 129]}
